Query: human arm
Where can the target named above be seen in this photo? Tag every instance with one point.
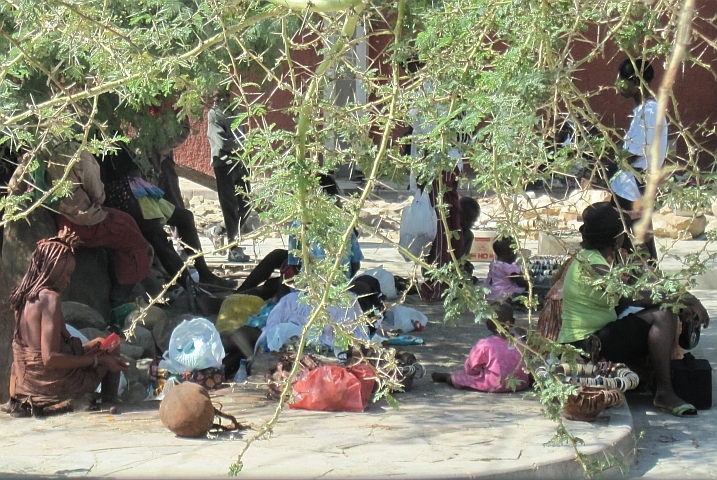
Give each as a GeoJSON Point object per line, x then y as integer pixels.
{"type": "Point", "coordinates": [644, 299]}
{"type": "Point", "coordinates": [52, 328]}
{"type": "Point", "coordinates": [219, 131]}
{"type": "Point", "coordinates": [356, 254]}
{"type": "Point", "coordinates": [519, 280]}
{"type": "Point", "coordinates": [88, 171]}
{"type": "Point", "coordinates": [477, 358]}
{"type": "Point", "coordinates": [641, 135]}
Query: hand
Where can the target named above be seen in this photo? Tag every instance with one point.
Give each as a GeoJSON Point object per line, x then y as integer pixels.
{"type": "Point", "coordinates": [93, 344]}
{"type": "Point", "coordinates": [113, 364]}
{"type": "Point", "coordinates": [699, 310]}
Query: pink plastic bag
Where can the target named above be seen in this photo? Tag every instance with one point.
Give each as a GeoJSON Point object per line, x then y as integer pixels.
{"type": "Point", "coordinates": [332, 388]}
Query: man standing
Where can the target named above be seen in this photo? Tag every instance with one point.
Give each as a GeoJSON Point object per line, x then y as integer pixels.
{"type": "Point", "coordinates": [232, 182]}
{"type": "Point", "coordinates": [633, 82]}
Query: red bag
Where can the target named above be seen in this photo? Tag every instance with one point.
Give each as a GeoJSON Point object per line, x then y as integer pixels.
{"type": "Point", "coordinates": [332, 388]}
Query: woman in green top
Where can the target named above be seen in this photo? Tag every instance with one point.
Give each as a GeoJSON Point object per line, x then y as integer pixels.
{"type": "Point", "coordinates": [589, 310]}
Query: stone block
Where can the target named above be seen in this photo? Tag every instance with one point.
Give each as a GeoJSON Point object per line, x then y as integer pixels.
{"type": "Point", "coordinates": [82, 316]}
{"type": "Point", "coordinates": [135, 393]}
{"type": "Point", "coordinates": [132, 375]}
{"type": "Point", "coordinates": [19, 240]}
{"type": "Point", "coordinates": [134, 352]}
{"type": "Point", "coordinates": [90, 283]}
{"type": "Point", "coordinates": [143, 368]}
{"type": "Point", "coordinates": [143, 338]}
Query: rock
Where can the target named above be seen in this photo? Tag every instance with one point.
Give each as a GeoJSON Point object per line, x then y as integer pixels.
{"type": "Point", "coordinates": [676, 226]}
{"type": "Point", "coordinates": [135, 393]}
{"type": "Point", "coordinates": [81, 316]}
{"type": "Point", "coordinates": [661, 227]}
{"type": "Point", "coordinates": [132, 375]}
{"type": "Point", "coordinates": [134, 352]}
{"type": "Point", "coordinates": [162, 332]}
{"type": "Point", "coordinates": [90, 283]}
{"type": "Point", "coordinates": [143, 338]}
{"type": "Point", "coordinates": [91, 333]}
{"type": "Point", "coordinates": [153, 316]}
{"type": "Point", "coordinates": [694, 225]}
{"type": "Point", "coordinates": [143, 369]}
{"type": "Point", "coordinates": [19, 240]}
{"type": "Point", "coordinates": [7, 327]}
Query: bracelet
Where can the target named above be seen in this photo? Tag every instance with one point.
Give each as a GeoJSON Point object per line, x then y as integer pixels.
{"type": "Point", "coordinates": [97, 360]}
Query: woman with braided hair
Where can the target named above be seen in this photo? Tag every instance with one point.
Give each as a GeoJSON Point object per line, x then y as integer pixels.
{"type": "Point", "coordinates": [50, 366]}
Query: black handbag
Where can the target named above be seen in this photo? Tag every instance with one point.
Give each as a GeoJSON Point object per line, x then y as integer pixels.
{"type": "Point", "coordinates": [692, 381]}
{"type": "Point", "coordinates": [690, 335]}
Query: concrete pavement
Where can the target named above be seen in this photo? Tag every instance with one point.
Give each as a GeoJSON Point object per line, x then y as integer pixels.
{"type": "Point", "coordinates": [438, 432]}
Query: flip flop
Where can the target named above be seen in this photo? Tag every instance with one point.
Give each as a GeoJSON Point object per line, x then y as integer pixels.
{"type": "Point", "coordinates": [684, 410]}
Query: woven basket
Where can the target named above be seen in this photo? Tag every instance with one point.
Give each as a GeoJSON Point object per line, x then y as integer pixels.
{"type": "Point", "coordinates": [590, 401]}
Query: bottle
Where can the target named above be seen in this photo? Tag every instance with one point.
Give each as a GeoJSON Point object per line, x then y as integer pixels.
{"type": "Point", "coordinates": [241, 375]}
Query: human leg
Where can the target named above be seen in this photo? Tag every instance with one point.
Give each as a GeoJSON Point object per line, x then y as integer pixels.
{"type": "Point", "coordinates": [169, 182]}
{"type": "Point", "coordinates": [163, 249]}
{"type": "Point", "coordinates": [440, 253]}
{"type": "Point", "coordinates": [263, 271]}
{"type": "Point", "coordinates": [240, 176]}
{"type": "Point", "coordinates": [183, 220]}
{"type": "Point", "coordinates": [228, 201]}
{"type": "Point", "coordinates": [228, 177]}
{"type": "Point", "coordinates": [661, 340]}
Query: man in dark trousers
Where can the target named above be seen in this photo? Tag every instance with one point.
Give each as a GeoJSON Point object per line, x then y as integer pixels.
{"type": "Point", "coordinates": [229, 171]}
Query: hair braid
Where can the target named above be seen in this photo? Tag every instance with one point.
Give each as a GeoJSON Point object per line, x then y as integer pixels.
{"type": "Point", "coordinates": [44, 259]}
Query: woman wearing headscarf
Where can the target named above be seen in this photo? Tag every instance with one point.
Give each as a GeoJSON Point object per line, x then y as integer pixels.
{"type": "Point", "coordinates": [590, 309]}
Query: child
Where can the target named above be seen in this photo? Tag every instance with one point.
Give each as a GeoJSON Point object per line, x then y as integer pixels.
{"type": "Point", "coordinates": [491, 361]}
{"type": "Point", "coordinates": [504, 278]}
{"type": "Point", "coordinates": [470, 211]}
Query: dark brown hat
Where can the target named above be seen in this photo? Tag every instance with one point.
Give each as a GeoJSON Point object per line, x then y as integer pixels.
{"type": "Point", "coordinates": [603, 220]}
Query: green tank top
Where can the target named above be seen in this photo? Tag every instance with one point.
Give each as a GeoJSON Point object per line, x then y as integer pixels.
{"type": "Point", "coordinates": [586, 308]}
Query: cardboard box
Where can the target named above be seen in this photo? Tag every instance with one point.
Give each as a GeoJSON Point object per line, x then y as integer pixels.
{"type": "Point", "coordinates": [482, 248]}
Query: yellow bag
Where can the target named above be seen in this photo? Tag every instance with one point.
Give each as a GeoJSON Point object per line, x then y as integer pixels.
{"type": "Point", "coordinates": [236, 310]}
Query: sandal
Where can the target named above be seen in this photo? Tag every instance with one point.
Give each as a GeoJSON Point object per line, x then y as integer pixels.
{"type": "Point", "coordinates": [684, 410]}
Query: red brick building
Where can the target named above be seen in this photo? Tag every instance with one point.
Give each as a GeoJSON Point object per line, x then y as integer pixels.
{"type": "Point", "coordinates": [695, 89]}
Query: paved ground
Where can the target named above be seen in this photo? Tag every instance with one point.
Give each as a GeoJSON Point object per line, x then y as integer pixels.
{"type": "Point", "coordinates": [437, 432]}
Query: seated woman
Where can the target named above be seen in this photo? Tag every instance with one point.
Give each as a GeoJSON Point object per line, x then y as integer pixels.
{"type": "Point", "coordinates": [49, 366]}
{"type": "Point", "coordinates": [492, 362]}
{"type": "Point", "coordinates": [590, 311]}
{"type": "Point", "coordinates": [129, 192]}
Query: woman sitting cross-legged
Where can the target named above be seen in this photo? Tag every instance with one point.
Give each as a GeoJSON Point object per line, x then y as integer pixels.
{"type": "Point", "coordinates": [589, 310]}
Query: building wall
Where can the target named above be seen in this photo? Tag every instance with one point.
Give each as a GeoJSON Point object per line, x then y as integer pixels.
{"type": "Point", "coordinates": [695, 91]}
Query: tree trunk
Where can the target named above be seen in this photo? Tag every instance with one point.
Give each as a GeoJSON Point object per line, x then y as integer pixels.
{"type": "Point", "coordinates": [7, 327]}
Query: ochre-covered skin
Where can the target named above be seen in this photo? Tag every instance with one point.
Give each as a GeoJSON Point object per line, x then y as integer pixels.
{"type": "Point", "coordinates": [187, 410]}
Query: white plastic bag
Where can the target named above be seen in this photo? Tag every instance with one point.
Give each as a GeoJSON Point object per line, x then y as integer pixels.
{"type": "Point", "coordinates": [279, 335]}
{"type": "Point", "coordinates": [386, 280]}
{"type": "Point", "coordinates": [196, 345]}
{"type": "Point", "coordinates": [404, 318]}
{"type": "Point", "coordinates": [419, 225]}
